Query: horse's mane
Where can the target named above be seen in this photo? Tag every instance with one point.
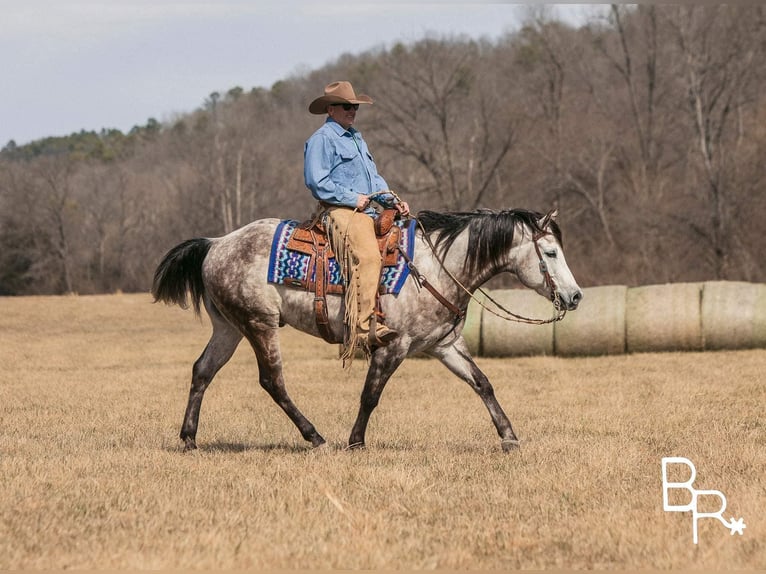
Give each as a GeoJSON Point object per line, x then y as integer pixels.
{"type": "Point", "coordinates": [490, 232]}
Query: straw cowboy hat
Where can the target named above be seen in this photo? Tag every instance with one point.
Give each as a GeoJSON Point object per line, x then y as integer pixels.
{"type": "Point", "coordinates": [337, 93]}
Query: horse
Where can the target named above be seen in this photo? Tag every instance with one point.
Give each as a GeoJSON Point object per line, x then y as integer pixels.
{"type": "Point", "coordinates": [454, 254]}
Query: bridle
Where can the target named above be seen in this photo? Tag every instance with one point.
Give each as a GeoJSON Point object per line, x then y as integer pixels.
{"type": "Point", "coordinates": [508, 315]}
{"type": "Point", "coordinates": [555, 297]}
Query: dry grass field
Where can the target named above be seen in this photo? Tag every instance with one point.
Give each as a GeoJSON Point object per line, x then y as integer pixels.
{"type": "Point", "coordinates": [92, 392]}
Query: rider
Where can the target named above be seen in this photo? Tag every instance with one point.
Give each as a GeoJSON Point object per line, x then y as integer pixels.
{"type": "Point", "coordinates": [340, 172]}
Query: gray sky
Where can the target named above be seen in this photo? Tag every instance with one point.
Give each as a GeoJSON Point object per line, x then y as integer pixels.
{"type": "Point", "coordinates": [69, 65]}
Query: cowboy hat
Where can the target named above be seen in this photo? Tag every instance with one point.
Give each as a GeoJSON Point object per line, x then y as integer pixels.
{"type": "Point", "coordinates": [337, 93]}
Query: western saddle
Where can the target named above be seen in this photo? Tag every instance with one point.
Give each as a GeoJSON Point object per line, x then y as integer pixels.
{"type": "Point", "coordinates": [310, 238]}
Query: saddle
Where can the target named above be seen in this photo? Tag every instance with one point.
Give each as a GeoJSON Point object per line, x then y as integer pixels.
{"type": "Point", "coordinates": [310, 238]}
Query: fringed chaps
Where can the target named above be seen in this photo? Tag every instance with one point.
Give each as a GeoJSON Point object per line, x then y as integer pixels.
{"type": "Point", "coordinates": [352, 237]}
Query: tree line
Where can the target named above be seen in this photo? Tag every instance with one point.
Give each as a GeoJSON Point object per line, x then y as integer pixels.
{"type": "Point", "coordinates": [646, 129]}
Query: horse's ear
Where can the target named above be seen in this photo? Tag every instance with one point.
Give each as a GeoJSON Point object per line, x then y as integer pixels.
{"type": "Point", "coordinates": [550, 216]}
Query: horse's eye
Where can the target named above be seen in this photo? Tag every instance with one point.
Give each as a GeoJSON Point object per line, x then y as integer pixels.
{"type": "Point", "coordinates": [552, 254]}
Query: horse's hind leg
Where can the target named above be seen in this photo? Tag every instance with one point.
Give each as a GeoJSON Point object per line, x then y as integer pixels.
{"type": "Point", "coordinates": [457, 359]}
{"type": "Point", "coordinates": [265, 342]}
{"type": "Point", "coordinates": [217, 353]}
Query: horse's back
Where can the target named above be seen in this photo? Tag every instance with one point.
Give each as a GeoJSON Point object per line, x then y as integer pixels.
{"type": "Point", "coordinates": [236, 278]}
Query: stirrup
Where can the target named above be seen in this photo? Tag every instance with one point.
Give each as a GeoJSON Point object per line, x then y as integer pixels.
{"type": "Point", "coordinates": [373, 340]}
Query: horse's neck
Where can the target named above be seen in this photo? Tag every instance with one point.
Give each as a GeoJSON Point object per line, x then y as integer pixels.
{"type": "Point", "coordinates": [454, 262]}
{"type": "Point", "coordinates": [449, 274]}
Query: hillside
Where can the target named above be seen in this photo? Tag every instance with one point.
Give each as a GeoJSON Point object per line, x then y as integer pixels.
{"type": "Point", "coordinates": [647, 133]}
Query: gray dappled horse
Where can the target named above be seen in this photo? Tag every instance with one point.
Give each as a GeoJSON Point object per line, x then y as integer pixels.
{"type": "Point", "coordinates": [229, 276]}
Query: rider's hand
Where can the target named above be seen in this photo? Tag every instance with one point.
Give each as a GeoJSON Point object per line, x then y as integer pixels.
{"type": "Point", "coordinates": [403, 208]}
{"type": "Point", "coordinates": [362, 201]}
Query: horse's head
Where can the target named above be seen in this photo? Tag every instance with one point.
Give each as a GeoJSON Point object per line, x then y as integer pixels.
{"type": "Point", "coordinates": [525, 243]}
{"type": "Point", "coordinates": [541, 264]}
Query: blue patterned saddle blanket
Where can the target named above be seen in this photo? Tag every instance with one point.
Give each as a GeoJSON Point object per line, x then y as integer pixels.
{"type": "Point", "coordinates": [298, 268]}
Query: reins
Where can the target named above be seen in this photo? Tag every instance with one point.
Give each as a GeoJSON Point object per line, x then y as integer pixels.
{"type": "Point", "coordinates": [509, 315]}
{"type": "Point", "coordinates": [422, 280]}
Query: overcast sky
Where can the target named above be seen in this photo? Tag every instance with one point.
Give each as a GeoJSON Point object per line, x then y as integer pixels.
{"type": "Point", "coordinates": [69, 65]}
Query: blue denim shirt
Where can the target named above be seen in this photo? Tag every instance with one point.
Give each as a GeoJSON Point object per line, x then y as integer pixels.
{"type": "Point", "coordinates": [338, 167]}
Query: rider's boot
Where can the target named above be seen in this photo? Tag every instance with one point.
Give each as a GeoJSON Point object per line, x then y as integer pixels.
{"type": "Point", "coordinates": [379, 335]}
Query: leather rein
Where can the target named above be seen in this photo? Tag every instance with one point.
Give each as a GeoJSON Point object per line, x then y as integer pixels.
{"type": "Point", "coordinates": [421, 280]}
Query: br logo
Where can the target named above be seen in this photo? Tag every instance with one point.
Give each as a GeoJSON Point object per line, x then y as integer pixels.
{"type": "Point", "coordinates": [733, 525]}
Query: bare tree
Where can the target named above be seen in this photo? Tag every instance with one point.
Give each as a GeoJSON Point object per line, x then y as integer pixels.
{"type": "Point", "coordinates": [718, 46]}
{"type": "Point", "coordinates": [111, 219]}
{"type": "Point", "coordinates": [53, 183]}
{"type": "Point", "coordinates": [578, 153]}
{"type": "Point", "coordinates": [436, 114]}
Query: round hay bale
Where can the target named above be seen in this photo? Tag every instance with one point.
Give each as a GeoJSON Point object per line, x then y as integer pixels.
{"type": "Point", "coordinates": [733, 315]}
{"type": "Point", "coordinates": [664, 318]}
{"type": "Point", "coordinates": [501, 338]}
{"type": "Point", "coordinates": [597, 327]}
{"type": "Point", "coordinates": [472, 325]}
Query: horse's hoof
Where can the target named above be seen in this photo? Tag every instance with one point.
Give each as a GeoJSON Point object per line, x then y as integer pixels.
{"type": "Point", "coordinates": [318, 442]}
{"type": "Point", "coordinates": [190, 445]}
{"type": "Point", "coordinates": [510, 445]}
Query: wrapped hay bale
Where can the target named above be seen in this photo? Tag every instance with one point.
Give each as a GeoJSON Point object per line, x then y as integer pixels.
{"type": "Point", "coordinates": [472, 326]}
{"type": "Point", "coordinates": [501, 338]}
{"type": "Point", "coordinates": [733, 315]}
{"type": "Point", "coordinates": [664, 318]}
{"type": "Point", "coordinates": [597, 327]}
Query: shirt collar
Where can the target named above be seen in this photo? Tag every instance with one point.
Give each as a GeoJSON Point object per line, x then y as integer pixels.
{"type": "Point", "coordinates": [339, 128]}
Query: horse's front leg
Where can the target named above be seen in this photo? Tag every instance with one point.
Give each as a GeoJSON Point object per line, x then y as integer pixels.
{"type": "Point", "coordinates": [384, 362]}
{"type": "Point", "coordinates": [457, 359]}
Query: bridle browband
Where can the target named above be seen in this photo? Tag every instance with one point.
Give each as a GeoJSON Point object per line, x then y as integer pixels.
{"type": "Point", "coordinates": [509, 315]}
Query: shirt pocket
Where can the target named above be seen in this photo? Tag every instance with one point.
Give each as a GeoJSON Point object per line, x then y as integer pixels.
{"type": "Point", "coordinates": [347, 167]}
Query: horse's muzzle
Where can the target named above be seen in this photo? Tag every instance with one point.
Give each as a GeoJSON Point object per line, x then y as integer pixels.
{"type": "Point", "coordinates": [571, 301]}
{"type": "Point", "coordinates": [566, 301]}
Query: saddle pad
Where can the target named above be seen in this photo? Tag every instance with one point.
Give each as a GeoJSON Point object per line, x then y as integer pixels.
{"type": "Point", "coordinates": [287, 267]}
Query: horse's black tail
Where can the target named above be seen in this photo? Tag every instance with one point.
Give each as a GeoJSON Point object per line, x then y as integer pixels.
{"type": "Point", "coordinates": [180, 273]}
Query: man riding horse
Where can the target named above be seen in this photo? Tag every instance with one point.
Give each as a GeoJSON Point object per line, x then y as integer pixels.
{"type": "Point", "coordinates": [341, 174]}
{"type": "Point", "coordinates": [232, 277]}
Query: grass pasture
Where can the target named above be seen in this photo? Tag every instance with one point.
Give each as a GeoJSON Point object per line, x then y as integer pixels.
{"type": "Point", "coordinates": [92, 391]}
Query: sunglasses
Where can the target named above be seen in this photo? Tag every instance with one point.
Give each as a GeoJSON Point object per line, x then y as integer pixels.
{"type": "Point", "coordinates": [347, 107]}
